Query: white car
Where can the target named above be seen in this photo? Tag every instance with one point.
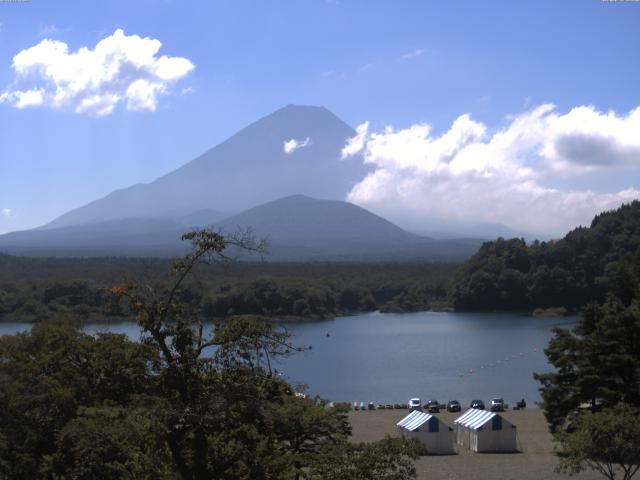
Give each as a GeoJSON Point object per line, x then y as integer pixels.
{"type": "Point", "coordinates": [497, 405]}
{"type": "Point", "coordinates": [414, 404]}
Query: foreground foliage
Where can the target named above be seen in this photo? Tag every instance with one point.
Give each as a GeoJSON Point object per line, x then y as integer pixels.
{"type": "Point", "coordinates": [598, 363]}
{"type": "Point", "coordinates": [607, 442]}
{"type": "Point", "coordinates": [390, 459]}
{"type": "Point", "coordinates": [592, 399]}
{"type": "Point", "coordinates": [177, 405]}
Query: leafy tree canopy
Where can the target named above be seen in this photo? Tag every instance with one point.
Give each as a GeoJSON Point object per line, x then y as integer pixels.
{"type": "Point", "coordinates": [606, 442]}
{"type": "Point", "coordinates": [598, 363]}
{"type": "Point", "coordinates": [592, 399]}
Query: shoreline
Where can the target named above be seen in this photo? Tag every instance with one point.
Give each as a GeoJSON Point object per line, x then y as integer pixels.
{"type": "Point", "coordinates": [96, 319]}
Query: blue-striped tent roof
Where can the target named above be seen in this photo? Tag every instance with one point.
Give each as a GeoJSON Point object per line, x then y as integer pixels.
{"type": "Point", "coordinates": [474, 418]}
{"type": "Point", "coordinates": [414, 420]}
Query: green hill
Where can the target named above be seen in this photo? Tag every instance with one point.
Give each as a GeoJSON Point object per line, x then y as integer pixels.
{"type": "Point", "coordinates": [571, 272]}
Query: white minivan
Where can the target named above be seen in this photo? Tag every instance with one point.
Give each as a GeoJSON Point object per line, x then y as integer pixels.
{"type": "Point", "coordinates": [414, 404]}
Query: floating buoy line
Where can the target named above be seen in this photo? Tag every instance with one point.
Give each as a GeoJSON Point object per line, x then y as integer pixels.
{"type": "Point", "coordinates": [500, 362]}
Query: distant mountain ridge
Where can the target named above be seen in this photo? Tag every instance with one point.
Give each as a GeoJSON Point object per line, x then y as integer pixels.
{"type": "Point", "coordinates": [300, 216]}
{"type": "Point", "coordinates": [292, 155]}
{"type": "Point", "coordinates": [299, 228]}
{"type": "Point", "coordinates": [249, 168]}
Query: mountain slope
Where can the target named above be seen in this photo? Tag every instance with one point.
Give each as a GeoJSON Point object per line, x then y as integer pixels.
{"type": "Point", "coordinates": [303, 228]}
{"type": "Point", "coordinates": [249, 168]}
{"type": "Point", "coordinates": [302, 217]}
{"type": "Point", "coordinates": [298, 228]}
{"type": "Point", "coordinates": [128, 237]}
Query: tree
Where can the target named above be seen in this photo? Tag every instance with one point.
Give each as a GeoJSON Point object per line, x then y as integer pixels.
{"type": "Point", "coordinates": [592, 399]}
{"type": "Point", "coordinates": [388, 459]}
{"type": "Point", "coordinates": [49, 373]}
{"type": "Point", "coordinates": [607, 442]}
{"type": "Point", "coordinates": [597, 364]}
{"type": "Point", "coordinates": [110, 442]}
{"type": "Point", "coordinates": [213, 416]}
{"type": "Point", "coordinates": [227, 415]}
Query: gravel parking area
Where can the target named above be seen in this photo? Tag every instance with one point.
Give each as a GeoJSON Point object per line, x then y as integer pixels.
{"type": "Point", "coordinates": [535, 460]}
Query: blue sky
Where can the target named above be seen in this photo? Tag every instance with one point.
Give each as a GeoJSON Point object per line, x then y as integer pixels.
{"type": "Point", "coordinates": [400, 63]}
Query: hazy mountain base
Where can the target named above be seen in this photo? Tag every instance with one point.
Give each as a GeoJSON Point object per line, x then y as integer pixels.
{"type": "Point", "coordinates": [299, 228]}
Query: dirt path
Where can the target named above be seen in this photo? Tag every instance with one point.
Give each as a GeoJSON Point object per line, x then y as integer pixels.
{"type": "Point", "coordinates": [535, 461]}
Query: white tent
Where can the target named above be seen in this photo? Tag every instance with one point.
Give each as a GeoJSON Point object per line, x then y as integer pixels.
{"type": "Point", "coordinates": [436, 436]}
{"type": "Point", "coordinates": [482, 431]}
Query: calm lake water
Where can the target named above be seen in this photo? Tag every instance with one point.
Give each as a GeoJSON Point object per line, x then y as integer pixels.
{"type": "Point", "coordinates": [388, 358]}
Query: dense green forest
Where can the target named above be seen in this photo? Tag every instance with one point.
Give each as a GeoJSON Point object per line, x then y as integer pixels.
{"type": "Point", "coordinates": [32, 289]}
{"type": "Point", "coordinates": [568, 273]}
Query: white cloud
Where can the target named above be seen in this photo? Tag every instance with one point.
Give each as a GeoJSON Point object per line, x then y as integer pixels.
{"type": "Point", "coordinates": [49, 30]}
{"type": "Point", "coordinates": [586, 139]}
{"type": "Point", "coordinates": [412, 54]}
{"type": "Point", "coordinates": [6, 212]}
{"type": "Point", "coordinates": [23, 99]}
{"type": "Point", "coordinates": [468, 174]}
{"type": "Point", "coordinates": [141, 95]}
{"type": "Point", "coordinates": [357, 143]}
{"type": "Point", "coordinates": [120, 68]}
{"type": "Point", "coordinates": [290, 146]}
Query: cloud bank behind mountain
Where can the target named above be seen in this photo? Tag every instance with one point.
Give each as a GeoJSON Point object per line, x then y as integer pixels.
{"type": "Point", "coordinates": [472, 174]}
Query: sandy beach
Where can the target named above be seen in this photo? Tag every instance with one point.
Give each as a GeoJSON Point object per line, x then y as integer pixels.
{"type": "Point", "coordinates": [535, 460]}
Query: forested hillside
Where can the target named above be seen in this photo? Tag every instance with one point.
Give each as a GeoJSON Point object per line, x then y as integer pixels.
{"type": "Point", "coordinates": [570, 272]}
{"type": "Point", "coordinates": [304, 290]}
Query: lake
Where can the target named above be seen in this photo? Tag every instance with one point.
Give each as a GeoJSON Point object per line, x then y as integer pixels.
{"type": "Point", "coordinates": [388, 358]}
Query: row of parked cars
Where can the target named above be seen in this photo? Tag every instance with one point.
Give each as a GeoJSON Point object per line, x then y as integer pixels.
{"type": "Point", "coordinates": [433, 406]}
